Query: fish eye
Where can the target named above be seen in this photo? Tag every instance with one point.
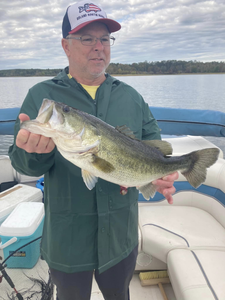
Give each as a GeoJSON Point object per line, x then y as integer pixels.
{"type": "Point", "coordinates": [66, 109]}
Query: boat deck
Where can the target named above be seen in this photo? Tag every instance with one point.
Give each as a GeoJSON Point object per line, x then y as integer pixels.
{"type": "Point", "coordinates": [27, 287]}
{"type": "Point", "coordinates": [137, 292]}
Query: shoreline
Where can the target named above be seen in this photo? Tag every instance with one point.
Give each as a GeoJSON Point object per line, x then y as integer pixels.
{"type": "Point", "coordinates": [166, 74]}
{"type": "Point", "coordinates": [118, 75]}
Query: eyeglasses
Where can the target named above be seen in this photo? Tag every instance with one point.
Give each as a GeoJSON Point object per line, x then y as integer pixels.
{"type": "Point", "coordinates": [89, 40]}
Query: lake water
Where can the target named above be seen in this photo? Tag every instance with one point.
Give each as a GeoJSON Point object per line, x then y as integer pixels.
{"type": "Point", "coordinates": [176, 91]}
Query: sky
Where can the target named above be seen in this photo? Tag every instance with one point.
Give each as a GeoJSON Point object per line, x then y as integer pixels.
{"type": "Point", "coordinates": [152, 30]}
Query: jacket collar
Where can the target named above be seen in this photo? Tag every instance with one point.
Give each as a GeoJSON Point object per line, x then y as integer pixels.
{"type": "Point", "coordinates": [63, 76]}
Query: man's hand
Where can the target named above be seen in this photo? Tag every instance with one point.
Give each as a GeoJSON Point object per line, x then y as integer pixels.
{"type": "Point", "coordinates": [32, 142]}
{"type": "Point", "coordinates": [165, 186]}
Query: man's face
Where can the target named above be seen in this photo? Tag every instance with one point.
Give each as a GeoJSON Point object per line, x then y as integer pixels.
{"type": "Point", "coordinates": [88, 62]}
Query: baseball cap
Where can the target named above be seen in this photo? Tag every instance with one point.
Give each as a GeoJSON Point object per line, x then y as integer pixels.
{"type": "Point", "coordinates": [83, 13]}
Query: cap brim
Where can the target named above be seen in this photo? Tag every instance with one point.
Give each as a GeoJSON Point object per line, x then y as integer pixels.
{"type": "Point", "coordinates": [112, 25]}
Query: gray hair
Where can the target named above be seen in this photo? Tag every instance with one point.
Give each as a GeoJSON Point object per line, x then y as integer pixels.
{"type": "Point", "coordinates": [68, 38]}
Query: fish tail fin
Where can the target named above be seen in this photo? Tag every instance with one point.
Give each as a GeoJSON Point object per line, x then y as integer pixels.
{"type": "Point", "coordinates": [200, 161]}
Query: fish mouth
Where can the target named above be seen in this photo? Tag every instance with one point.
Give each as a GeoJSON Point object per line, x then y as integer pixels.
{"type": "Point", "coordinates": [49, 112]}
{"type": "Point", "coordinates": [37, 127]}
{"type": "Point", "coordinates": [45, 112]}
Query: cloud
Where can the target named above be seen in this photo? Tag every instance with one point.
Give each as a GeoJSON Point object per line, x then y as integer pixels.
{"type": "Point", "coordinates": [30, 31]}
{"type": "Point", "coordinates": [175, 30]}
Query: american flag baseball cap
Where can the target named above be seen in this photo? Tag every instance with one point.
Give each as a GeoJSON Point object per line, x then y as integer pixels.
{"type": "Point", "coordinates": [83, 13]}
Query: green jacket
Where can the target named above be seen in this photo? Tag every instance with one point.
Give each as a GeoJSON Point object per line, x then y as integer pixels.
{"type": "Point", "coordinates": [85, 230]}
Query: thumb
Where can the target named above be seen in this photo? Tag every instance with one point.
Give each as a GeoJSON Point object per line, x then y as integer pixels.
{"type": "Point", "coordinates": [24, 117]}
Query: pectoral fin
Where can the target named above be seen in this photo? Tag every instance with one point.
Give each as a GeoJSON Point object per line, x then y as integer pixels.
{"type": "Point", "coordinates": [102, 164]}
{"type": "Point", "coordinates": [89, 179]}
{"type": "Point", "coordinates": [148, 191]}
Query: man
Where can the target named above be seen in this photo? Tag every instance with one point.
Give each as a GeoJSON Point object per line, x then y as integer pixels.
{"type": "Point", "coordinates": [86, 230]}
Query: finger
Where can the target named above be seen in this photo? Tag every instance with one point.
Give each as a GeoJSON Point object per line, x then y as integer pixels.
{"type": "Point", "coordinates": [168, 194]}
{"type": "Point", "coordinates": [24, 117]}
{"type": "Point", "coordinates": [32, 143]}
{"type": "Point", "coordinates": [22, 138]}
{"type": "Point", "coordinates": [168, 178]}
{"type": "Point", "coordinates": [169, 199]}
{"type": "Point", "coordinates": [27, 141]}
{"type": "Point", "coordinates": [171, 177]}
{"type": "Point", "coordinates": [166, 191]}
{"type": "Point", "coordinates": [50, 146]}
{"type": "Point", "coordinates": [169, 191]}
{"type": "Point", "coordinates": [162, 183]}
{"type": "Point", "coordinates": [45, 145]}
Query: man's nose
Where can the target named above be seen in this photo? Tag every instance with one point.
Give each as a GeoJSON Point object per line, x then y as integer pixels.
{"type": "Point", "coordinates": [98, 45]}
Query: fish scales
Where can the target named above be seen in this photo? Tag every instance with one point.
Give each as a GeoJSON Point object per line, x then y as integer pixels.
{"type": "Point", "coordinates": [114, 154]}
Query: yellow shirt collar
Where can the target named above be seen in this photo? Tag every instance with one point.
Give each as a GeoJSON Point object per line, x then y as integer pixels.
{"type": "Point", "coordinates": [91, 89]}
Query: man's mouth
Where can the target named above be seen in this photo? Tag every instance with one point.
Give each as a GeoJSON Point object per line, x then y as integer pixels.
{"type": "Point", "coordinates": [97, 59]}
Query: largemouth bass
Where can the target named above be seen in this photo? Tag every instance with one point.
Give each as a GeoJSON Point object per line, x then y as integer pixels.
{"type": "Point", "coordinates": [114, 154]}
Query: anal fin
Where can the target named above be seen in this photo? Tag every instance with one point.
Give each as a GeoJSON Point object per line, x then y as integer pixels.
{"type": "Point", "coordinates": [148, 191]}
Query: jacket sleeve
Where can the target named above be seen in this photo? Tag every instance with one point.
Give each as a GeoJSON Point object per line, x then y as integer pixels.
{"type": "Point", "coordinates": [31, 164]}
{"type": "Point", "coordinates": [150, 128]}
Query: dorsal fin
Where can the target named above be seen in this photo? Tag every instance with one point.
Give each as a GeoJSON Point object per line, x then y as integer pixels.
{"type": "Point", "coordinates": [126, 131]}
{"type": "Point", "coordinates": [162, 146]}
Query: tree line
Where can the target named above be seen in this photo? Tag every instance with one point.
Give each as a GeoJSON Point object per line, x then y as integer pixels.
{"type": "Point", "coordinates": [29, 72]}
{"type": "Point", "coordinates": [167, 67]}
{"type": "Point", "coordinates": [141, 68]}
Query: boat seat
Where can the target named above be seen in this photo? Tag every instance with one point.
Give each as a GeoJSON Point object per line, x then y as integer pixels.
{"type": "Point", "coordinates": [186, 144]}
{"type": "Point", "coordinates": [167, 227]}
{"type": "Point", "coordinates": [197, 274]}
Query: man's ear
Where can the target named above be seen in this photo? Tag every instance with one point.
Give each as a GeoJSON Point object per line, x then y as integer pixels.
{"type": "Point", "coordinates": [65, 45]}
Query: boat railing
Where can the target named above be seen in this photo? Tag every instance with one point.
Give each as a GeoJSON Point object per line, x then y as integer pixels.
{"type": "Point", "coordinates": [172, 121]}
{"type": "Point", "coordinates": [177, 121]}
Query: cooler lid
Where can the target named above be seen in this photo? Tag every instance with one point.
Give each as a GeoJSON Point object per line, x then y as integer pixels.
{"type": "Point", "coordinates": [24, 219]}
{"type": "Point", "coordinates": [10, 198]}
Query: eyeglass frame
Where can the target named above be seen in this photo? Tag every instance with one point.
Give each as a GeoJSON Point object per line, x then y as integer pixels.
{"type": "Point", "coordinates": [111, 39]}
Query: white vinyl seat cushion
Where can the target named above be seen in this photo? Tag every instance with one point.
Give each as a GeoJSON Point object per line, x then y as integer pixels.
{"type": "Point", "coordinates": [165, 228]}
{"type": "Point", "coordinates": [197, 274]}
